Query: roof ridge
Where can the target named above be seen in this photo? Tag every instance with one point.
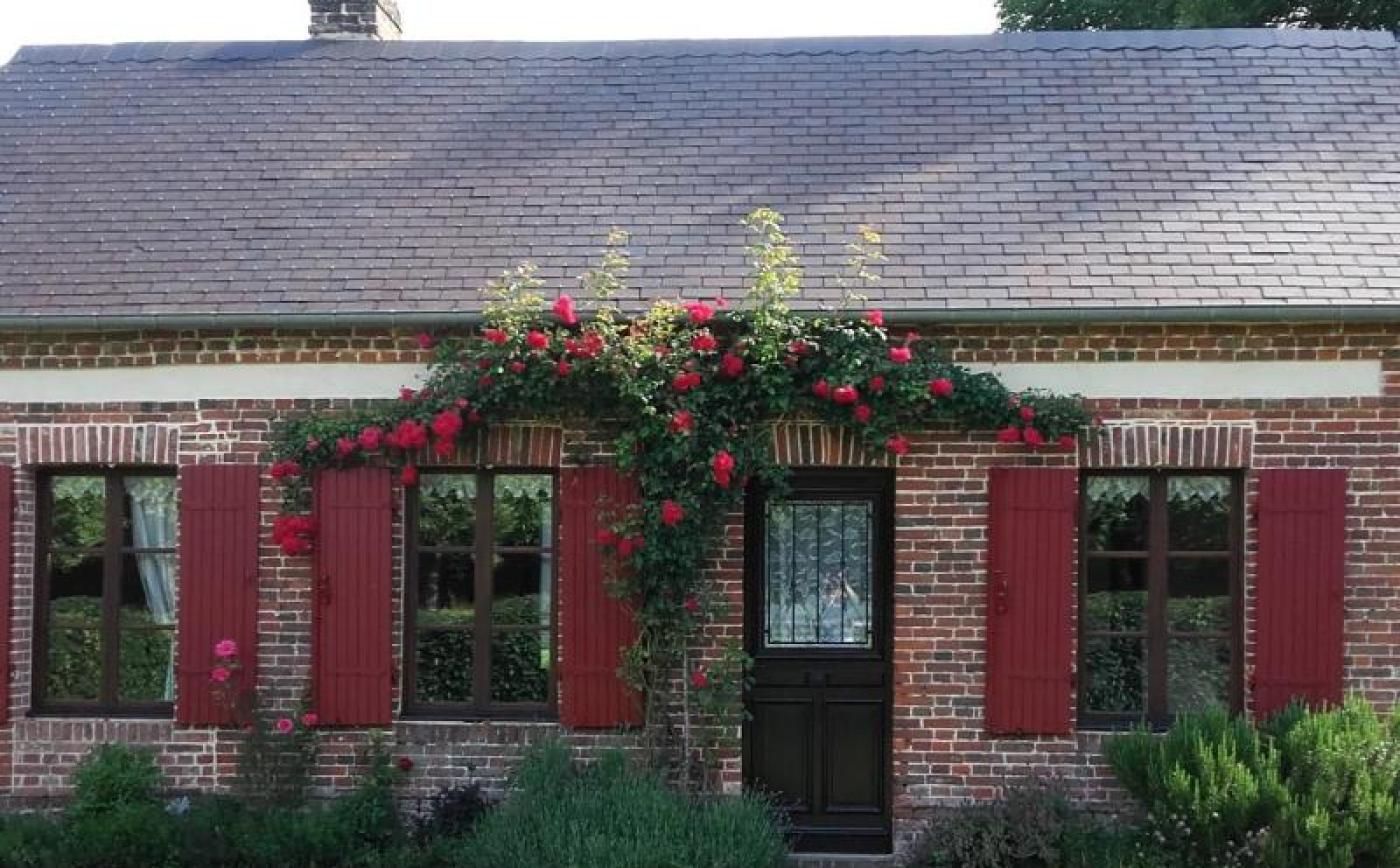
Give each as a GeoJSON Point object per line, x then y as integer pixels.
{"type": "Point", "coordinates": [1111, 40]}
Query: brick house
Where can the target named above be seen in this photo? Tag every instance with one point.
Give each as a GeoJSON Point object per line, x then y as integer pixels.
{"type": "Point", "coordinates": [1198, 231]}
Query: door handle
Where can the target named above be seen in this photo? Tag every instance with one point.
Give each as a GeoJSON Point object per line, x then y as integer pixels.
{"type": "Point", "coordinates": [1001, 593]}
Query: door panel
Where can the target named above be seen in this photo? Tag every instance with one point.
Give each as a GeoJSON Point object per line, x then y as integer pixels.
{"type": "Point", "coordinates": [817, 614]}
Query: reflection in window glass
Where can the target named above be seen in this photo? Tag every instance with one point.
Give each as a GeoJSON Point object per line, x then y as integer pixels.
{"type": "Point", "coordinates": [1116, 596]}
{"type": "Point", "coordinates": [1198, 674]}
{"type": "Point", "coordinates": [446, 509]}
{"type": "Point", "coordinates": [446, 587]}
{"type": "Point", "coordinates": [817, 581]}
{"type": "Point", "coordinates": [79, 512]}
{"type": "Point", "coordinates": [1198, 513]}
{"type": "Point", "coordinates": [74, 664]}
{"type": "Point", "coordinates": [524, 510]}
{"type": "Point", "coordinates": [520, 666]}
{"type": "Point", "coordinates": [1116, 513]}
{"type": "Point", "coordinates": [1198, 595]}
{"type": "Point", "coordinates": [1113, 676]}
{"type": "Point", "coordinates": [444, 665]}
{"type": "Point", "coordinates": [144, 673]}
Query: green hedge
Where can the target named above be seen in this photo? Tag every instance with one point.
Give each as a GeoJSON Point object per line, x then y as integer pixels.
{"type": "Point", "coordinates": [75, 653]}
{"type": "Point", "coordinates": [519, 671]}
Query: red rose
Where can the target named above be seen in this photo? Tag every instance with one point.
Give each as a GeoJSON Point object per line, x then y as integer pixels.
{"type": "Point", "coordinates": [286, 469]}
{"type": "Point", "coordinates": [722, 465]}
{"type": "Point", "coordinates": [517, 367]}
{"type": "Point", "coordinates": [862, 413]}
{"type": "Point", "coordinates": [821, 389]}
{"type": "Point", "coordinates": [1009, 434]}
{"type": "Point", "coordinates": [1027, 412]}
{"type": "Point", "coordinates": [898, 444]}
{"type": "Point", "coordinates": [481, 365]}
{"type": "Point", "coordinates": [606, 537]}
{"type": "Point", "coordinates": [409, 475]}
{"type": "Point", "coordinates": [875, 318]}
{"type": "Point", "coordinates": [426, 341]}
{"type": "Point", "coordinates": [344, 447]}
{"type": "Point", "coordinates": [410, 434]}
{"type": "Point", "coordinates": [876, 385]}
{"type": "Point", "coordinates": [405, 764]}
{"type": "Point", "coordinates": [731, 366]}
{"type": "Point", "coordinates": [699, 679]}
{"type": "Point", "coordinates": [692, 604]}
{"type": "Point", "coordinates": [447, 424]}
{"type": "Point", "coordinates": [1067, 443]}
{"type": "Point", "coordinates": [564, 309]}
{"type": "Point", "coordinates": [671, 513]}
{"type": "Point", "coordinates": [682, 422]}
{"type": "Point", "coordinates": [941, 387]}
{"type": "Point", "coordinates": [845, 395]}
{"type": "Point", "coordinates": [1033, 438]}
{"type": "Point", "coordinates": [704, 343]}
{"type": "Point", "coordinates": [461, 403]}
{"type": "Point", "coordinates": [371, 438]}
{"type": "Point", "coordinates": [484, 381]}
{"type": "Point", "coordinates": [473, 417]}
{"type": "Point", "coordinates": [624, 548]}
{"type": "Point", "coordinates": [406, 394]}
{"type": "Point", "coordinates": [798, 347]}
{"type": "Point", "coordinates": [536, 339]}
{"type": "Point", "coordinates": [563, 369]}
{"type": "Point", "coordinates": [901, 355]}
{"type": "Point", "coordinates": [686, 381]}
{"type": "Point", "coordinates": [700, 313]}
{"type": "Point", "coordinates": [495, 336]}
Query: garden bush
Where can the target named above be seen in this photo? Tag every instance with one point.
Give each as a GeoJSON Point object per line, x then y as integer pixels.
{"type": "Point", "coordinates": [609, 815]}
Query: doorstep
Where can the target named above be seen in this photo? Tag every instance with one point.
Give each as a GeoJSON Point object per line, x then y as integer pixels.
{"type": "Point", "coordinates": [843, 860]}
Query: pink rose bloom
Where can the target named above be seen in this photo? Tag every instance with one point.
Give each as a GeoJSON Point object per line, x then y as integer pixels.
{"type": "Point", "coordinates": [225, 648]}
{"type": "Point", "coordinates": [219, 674]}
{"type": "Point", "coordinates": [285, 725]}
{"type": "Point", "coordinates": [310, 719]}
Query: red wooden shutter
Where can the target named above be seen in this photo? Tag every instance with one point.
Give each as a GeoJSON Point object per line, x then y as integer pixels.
{"type": "Point", "coordinates": [596, 627]}
{"type": "Point", "coordinates": [1298, 588]}
{"type": "Point", "coordinates": [352, 647]}
{"type": "Point", "coordinates": [1030, 559]}
{"type": "Point", "coordinates": [219, 524]}
{"type": "Point", "coordinates": [7, 569]}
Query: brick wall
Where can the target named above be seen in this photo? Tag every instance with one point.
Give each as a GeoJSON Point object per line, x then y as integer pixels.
{"type": "Point", "coordinates": [940, 752]}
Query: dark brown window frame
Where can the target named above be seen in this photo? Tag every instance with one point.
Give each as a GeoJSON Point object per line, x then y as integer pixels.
{"type": "Point", "coordinates": [480, 707]}
{"type": "Point", "coordinates": [1155, 630]}
{"type": "Point", "coordinates": [108, 704]}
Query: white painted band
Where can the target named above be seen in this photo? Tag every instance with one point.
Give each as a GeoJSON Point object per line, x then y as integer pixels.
{"type": "Point", "coordinates": [1218, 380]}
{"type": "Point", "coordinates": [1207, 380]}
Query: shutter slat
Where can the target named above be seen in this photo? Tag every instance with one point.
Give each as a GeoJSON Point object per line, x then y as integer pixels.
{"type": "Point", "coordinates": [1299, 588]}
{"type": "Point", "coordinates": [352, 645]}
{"type": "Point", "coordinates": [219, 523]}
{"type": "Point", "coordinates": [596, 628]}
{"type": "Point", "coordinates": [7, 569]}
{"type": "Point", "coordinates": [1029, 599]}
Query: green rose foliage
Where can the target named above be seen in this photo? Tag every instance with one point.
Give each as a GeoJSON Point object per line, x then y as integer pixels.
{"type": "Point", "coordinates": [681, 385]}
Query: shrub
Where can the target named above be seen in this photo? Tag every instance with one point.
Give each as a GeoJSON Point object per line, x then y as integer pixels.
{"type": "Point", "coordinates": [113, 776]}
{"type": "Point", "coordinates": [1028, 825]}
{"type": "Point", "coordinates": [608, 815]}
{"type": "Point", "coordinates": [124, 835]}
{"type": "Point", "coordinates": [1210, 784]}
{"type": "Point", "coordinates": [28, 841]}
{"type": "Point", "coordinates": [452, 811]}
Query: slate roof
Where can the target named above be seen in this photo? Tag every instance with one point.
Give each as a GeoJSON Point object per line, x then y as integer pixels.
{"type": "Point", "coordinates": [1118, 171]}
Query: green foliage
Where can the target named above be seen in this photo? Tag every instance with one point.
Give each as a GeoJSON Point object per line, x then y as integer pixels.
{"type": "Point", "coordinates": [1169, 14]}
{"type": "Point", "coordinates": [275, 767]}
{"type": "Point", "coordinates": [452, 811]}
{"type": "Point", "coordinates": [75, 655]}
{"type": "Point", "coordinates": [608, 815]}
{"type": "Point", "coordinates": [518, 673]}
{"type": "Point", "coordinates": [114, 776]}
{"type": "Point", "coordinates": [1304, 790]}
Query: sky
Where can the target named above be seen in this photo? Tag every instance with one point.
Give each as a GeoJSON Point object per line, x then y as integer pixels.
{"type": "Point", "coordinates": [39, 22]}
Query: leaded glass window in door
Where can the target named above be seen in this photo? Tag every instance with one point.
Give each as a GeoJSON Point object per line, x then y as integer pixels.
{"type": "Point", "coordinates": [817, 579]}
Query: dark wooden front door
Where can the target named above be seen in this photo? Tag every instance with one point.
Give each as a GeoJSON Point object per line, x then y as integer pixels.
{"type": "Point", "coordinates": [817, 616]}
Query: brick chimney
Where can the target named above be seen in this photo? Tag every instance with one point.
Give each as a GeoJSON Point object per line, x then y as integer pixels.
{"type": "Point", "coordinates": [355, 19]}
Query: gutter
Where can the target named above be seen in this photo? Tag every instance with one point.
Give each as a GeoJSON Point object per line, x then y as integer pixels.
{"type": "Point", "coordinates": [428, 319]}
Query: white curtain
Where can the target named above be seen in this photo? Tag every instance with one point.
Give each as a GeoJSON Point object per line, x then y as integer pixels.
{"type": "Point", "coordinates": [153, 514]}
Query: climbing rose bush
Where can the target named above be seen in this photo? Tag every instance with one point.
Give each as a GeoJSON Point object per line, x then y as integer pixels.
{"type": "Point", "coordinates": [689, 390]}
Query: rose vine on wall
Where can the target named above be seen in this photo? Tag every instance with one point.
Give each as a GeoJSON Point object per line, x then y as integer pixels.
{"type": "Point", "coordinates": [690, 392]}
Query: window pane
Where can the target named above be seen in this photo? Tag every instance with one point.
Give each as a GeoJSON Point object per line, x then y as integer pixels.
{"type": "Point", "coordinates": [521, 590]}
{"type": "Point", "coordinates": [446, 588]}
{"type": "Point", "coordinates": [444, 669]}
{"type": "Point", "coordinates": [1113, 675]}
{"type": "Point", "coordinates": [524, 511]}
{"type": "Point", "coordinates": [817, 581]}
{"type": "Point", "coordinates": [446, 509]}
{"type": "Point", "coordinates": [1198, 595]}
{"type": "Point", "coordinates": [79, 511]}
{"type": "Point", "coordinates": [148, 589]}
{"type": "Point", "coordinates": [75, 587]}
{"type": "Point", "coordinates": [1198, 513]}
{"type": "Point", "coordinates": [1116, 596]}
{"type": "Point", "coordinates": [151, 511]}
{"type": "Point", "coordinates": [1198, 674]}
{"type": "Point", "coordinates": [147, 667]}
{"type": "Point", "coordinates": [74, 664]}
{"type": "Point", "coordinates": [1116, 512]}
{"type": "Point", "coordinates": [520, 666]}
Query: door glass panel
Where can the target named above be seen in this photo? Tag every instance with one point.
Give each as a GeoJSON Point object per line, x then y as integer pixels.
{"type": "Point", "coordinates": [1198, 513]}
{"type": "Point", "coordinates": [1116, 596]}
{"type": "Point", "coordinates": [817, 581]}
{"type": "Point", "coordinates": [1198, 595]}
{"type": "Point", "coordinates": [1116, 513]}
{"type": "Point", "coordinates": [446, 509]}
{"type": "Point", "coordinates": [1198, 674]}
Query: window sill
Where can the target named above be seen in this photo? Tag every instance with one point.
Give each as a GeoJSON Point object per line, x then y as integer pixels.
{"type": "Point", "coordinates": [445, 717]}
{"type": "Point", "coordinates": [141, 715]}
